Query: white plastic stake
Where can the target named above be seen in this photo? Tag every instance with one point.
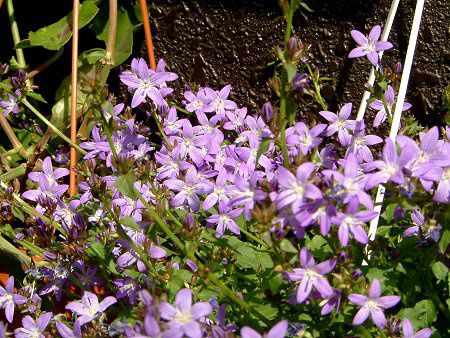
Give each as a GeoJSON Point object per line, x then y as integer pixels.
{"type": "Point", "coordinates": [384, 36]}
{"type": "Point", "coordinates": [399, 105]}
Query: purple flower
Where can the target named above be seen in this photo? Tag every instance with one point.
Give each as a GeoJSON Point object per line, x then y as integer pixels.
{"type": "Point", "coordinates": [218, 101]}
{"type": "Point", "coordinates": [352, 222]}
{"type": "Point", "coordinates": [146, 83]}
{"type": "Point", "coordinates": [442, 193]}
{"type": "Point", "coordinates": [340, 123]}
{"type": "Point", "coordinates": [172, 125]}
{"type": "Point", "coordinates": [184, 318]}
{"type": "Point", "coordinates": [277, 331]}
{"type": "Point", "coordinates": [381, 116]}
{"type": "Point", "coordinates": [303, 137]}
{"type": "Point", "coordinates": [295, 189]}
{"type": "Point", "coordinates": [66, 332]}
{"type": "Point", "coordinates": [359, 145]}
{"type": "Point", "coordinates": [408, 331]}
{"type": "Point", "coordinates": [188, 189]}
{"type": "Point", "coordinates": [128, 287]}
{"type": "Point", "coordinates": [89, 308]}
{"type": "Point", "coordinates": [390, 168]}
{"type": "Point", "coordinates": [224, 219]}
{"type": "Point", "coordinates": [10, 105]}
{"type": "Point", "coordinates": [236, 119]}
{"type": "Point", "coordinates": [311, 275]}
{"type": "Point", "coordinates": [333, 302]}
{"type": "Point", "coordinates": [8, 299]}
{"type": "Point", "coordinates": [171, 164]}
{"type": "Point", "coordinates": [369, 46]}
{"type": "Point", "coordinates": [196, 103]}
{"type": "Point", "coordinates": [221, 191]}
{"type": "Point", "coordinates": [300, 81]}
{"type": "Point", "coordinates": [33, 329]}
{"type": "Point", "coordinates": [56, 277]}
{"type": "Point", "coordinates": [189, 144]}
{"type": "Point", "coordinates": [246, 193]}
{"type": "Point", "coordinates": [373, 305]}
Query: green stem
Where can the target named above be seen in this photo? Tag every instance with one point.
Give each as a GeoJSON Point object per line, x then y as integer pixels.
{"type": "Point", "coordinates": [15, 33]}
{"type": "Point", "coordinates": [43, 119]}
{"type": "Point", "coordinates": [18, 147]}
{"type": "Point", "coordinates": [109, 138]}
{"type": "Point", "coordinates": [46, 64]}
{"type": "Point", "coordinates": [13, 173]}
{"type": "Point", "coordinates": [121, 231]}
{"type": "Point", "coordinates": [256, 239]}
{"type": "Point", "coordinates": [163, 134]}
{"type": "Point", "coordinates": [317, 89]}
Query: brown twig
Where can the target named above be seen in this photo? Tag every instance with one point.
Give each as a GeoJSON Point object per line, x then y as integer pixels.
{"type": "Point", "coordinates": [148, 34]}
{"type": "Point", "coordinates": [73, 97]}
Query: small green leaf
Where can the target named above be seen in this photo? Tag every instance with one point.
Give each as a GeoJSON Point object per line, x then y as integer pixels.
{"type": "Point", "coordinates": [130, 223]}
{"type": "Point", "coordinates": [125, 184]}
{"type": "Point", "coordinates": [439, 270]}
{"type": "Point", "coordinates": [287, 246]}
{"type": "Point", "coordinates": [56, 35]}
{"type": "Point", "coordinates": [36, 96]}
{"type": "Point", "coordinates": [177, 280]}
{"type": "Point", "coordinates": [422, 315]}
{"type": "Point", "coordinates": [444, 241]}
{"type": "Point", "coordinates": [263, 148]}
{"type": "Point", "coordinates": [291, 70]}
{"type": "Point", "coordinates": [96, 249]}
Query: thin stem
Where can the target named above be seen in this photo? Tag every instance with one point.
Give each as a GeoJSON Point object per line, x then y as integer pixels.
{"type": "Point", "coordinates": [15, 33]}
{"type": "Point", "coordinates": [12, 137]}
{"type": "Point", "coordinates": [13, 173]}
{"type": "Point", "coordinates": [112, 31]}
{"type": "Point", "coordinates": [45, 64]}
{"type": "Point", "coordinates": [121, 231]}
{"type": "Point", "coordinates": [148, 34]}
{"type": "Point", "coordinates": [317, 89]}
{"type": "Point", "coordinates": [163, 134]}
{"type": "Point", "coordinates": [73, 98]}
{"type": "Point", "coordinates": [256, 239]}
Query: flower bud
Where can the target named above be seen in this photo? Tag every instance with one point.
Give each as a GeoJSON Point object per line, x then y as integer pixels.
{"type": "Point", "coordinates": [267, 111]}
{"type": "Point", "coordinates": [356, 274]}
{"type": "Point", "coordinates": [300, 81]}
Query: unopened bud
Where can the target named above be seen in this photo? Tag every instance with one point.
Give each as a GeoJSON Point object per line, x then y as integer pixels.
{"type": "Point", "coordinates": [267, 111]}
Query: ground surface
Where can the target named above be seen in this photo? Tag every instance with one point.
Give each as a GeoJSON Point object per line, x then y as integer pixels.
{"type": "Point", "coordinates": [215, 42]}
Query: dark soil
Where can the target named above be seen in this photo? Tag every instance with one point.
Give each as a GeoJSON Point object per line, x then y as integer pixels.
{"type": "Point", "coordinates": [215, 42]}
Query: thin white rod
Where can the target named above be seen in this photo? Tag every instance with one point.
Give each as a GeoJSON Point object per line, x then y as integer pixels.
{"type": "Point", "coordinates": [400, 101]}
{"type": "Point", "coordinates": [384, 37]}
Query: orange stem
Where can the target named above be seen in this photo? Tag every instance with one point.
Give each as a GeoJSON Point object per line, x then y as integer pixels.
{"type": "Point", "coordinates": [148, 34]}
{"type": "Point", "coordinates": [73, 98]}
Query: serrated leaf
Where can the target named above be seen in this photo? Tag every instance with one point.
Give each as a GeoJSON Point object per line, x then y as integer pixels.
{"type": "Point", "coordinates": [422, 315]}
{"type": "Point", "coordinates": [125, 184]}
{"type": "Point", "coordinates": [130, 223]}
{"type": "Point", "coordinates": [287, 246]}
{"type": "Point", "coordinates": [96, 249]}
{"type": "Point", "coordinates": [56, 35]}
{"type": "Point", "coordinates": [36, 96]}
{"type": "Point", "coordinates": [177, 280]}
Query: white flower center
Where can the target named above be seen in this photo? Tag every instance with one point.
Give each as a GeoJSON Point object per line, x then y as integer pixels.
{"type": "Point", "coordinates": [218, 103]}
{"type": "Point", "coordinates": [92, 311]}
{"type": "Point", "coordinates": [371, 304]}
{"type": "Point", "coordinates": [35, 333]}
{"type": "Point", "coordinates": [224, 219]}
{"type": "Point", "coordinates": [189, 190]}
{"type": "Point", "coordinates": [311, 274]}
{"type": "Point", "coordinates": [5, 299]}
{"type": "Point", "coordinates": [146, 84]}
{"type": "Point", "coordinates": [197, 104]}
{"type": "Point", "coordinates": [446, 174]}
{"type": "Point", "coordinates": [299, 190]}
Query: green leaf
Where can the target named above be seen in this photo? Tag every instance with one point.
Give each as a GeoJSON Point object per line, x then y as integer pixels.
{"type": "Point", "coordinates": [275, 281]}
{"type": "Point", "coordinates": [125, 184]}
{"type": "Point", "coordinates": [56, 35]}
{"type": "Point", "coordinates": [130, 223]}
{"type": "Point", "coordinates": [177, 280]}
{"type": "Point", "coordinates": [439, 270]}
{"type": "Point", "coordinates": [263, 148]}
{"type": "Point", "coordinates": [96, 249]}
{"type": "Point", "coordinates": [444, 241]}
{"type": "Point", "coordinates": [124, 35]}
{"type": "Point", "coordinates": [91, 56]}
{"type": "Point", "coordinates": [422, 315]}
{"type": "Point", "coordinates": [36, 96]}
{"type": "Point", "coordinates": [18, 213]}
{"type": "Point", "coordinates": [287, 246]}
{"type": "Point", "coordinates": [291, 70]}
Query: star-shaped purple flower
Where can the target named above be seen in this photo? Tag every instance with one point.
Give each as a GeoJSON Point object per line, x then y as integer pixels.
{"type": "Point", "coordinates": [8, 299]}
{"type": "Point", "coordinates": [370, 45]}
{"type": "Point", "coordinates": [89, 308]}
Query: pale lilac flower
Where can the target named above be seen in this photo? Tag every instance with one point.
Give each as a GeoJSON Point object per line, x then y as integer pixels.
{"type": "Point", "coordinates": [373, 305]}
{"type": "Point", "coordinates": [442, 193]}
{"type": "Point", "coordinates": [236, 119]}
{"type": "Point", "coordinates": [145, 83]}
{"type": "Point", "coordinates": [339, 123]}
{"type": "Point", "coordinates": [196, 102]}
{"type": "Point", "coordinates": [408, 331]}
{"type": "Point", "coordinates": [56, 277]}
{"type": "Point", "coordinates": [66, 332]}
{"type": "Point", "coordinates": [171, 164]}
{"type": "Point", "coordinates": [33, 329]}
{"type": "Point", "coordinates": [173, 125]}
{"type": "Point", "coordinates": [189, 144]}
{"type": "Point", "coordinates": [10, 105]}
{"type": "Point", "coordinates": [218, 101]}
{"type": "Point", "coordinates": [390, 168]}
{"type": "Point", "coordinates": [352, 221]}
{"type": "Point", "coordinates": [311, 275]}
{"type": "Point", "coordinates": [381, 116]}
{"type": "Point", "coordinates": [277, 331]}
{"type": "Point", "coordinates": [333, 302]}
{"type": "Point", "coordinates": [127, 287]}
{"type": "Point", "coordinates": [306, 139]}
{"type": "Point", "coordinates": [184, 318]}
{"type": "Point", "coordinates": [8, 299]}
{"type": "Point", "coordinates": [89, 308]}
{"type": "Point", "coordinates": [97, 147]}
{"type": "Point", "coordinates": [221, 191]}
{"type": "Point", "coordinates": [246, 194]}
{"type": "Point", "coordinates": [188, 189]}
{"type": "Point", "coordinates": [370, 45]}
{"type": "Point", "coordinates": [359, 145]}
{"type": "Point", "coordinates": [225, 219]}
{"type": "Point", "coordinates": [295, 189]}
